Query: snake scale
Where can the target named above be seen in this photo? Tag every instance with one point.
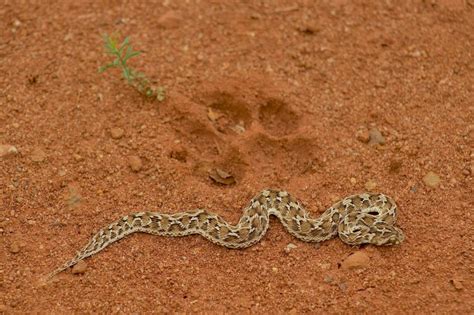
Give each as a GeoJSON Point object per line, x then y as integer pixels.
{"type": "Point", "coordinates": [358, 219]}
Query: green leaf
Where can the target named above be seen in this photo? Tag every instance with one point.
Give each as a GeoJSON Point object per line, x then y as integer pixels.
{"type": "Point", "coordinates": [110, 45]}
{"type": "Point", "coordinates": [122, 54]}
{"type": "Point", "coordinates": [126, 74]}
{"type": "Point", "coordinates": [125, 42]}
{"type": "Point", "coordinates": [123, 45]}
{"type": "Point", "coordinates": [130, 53]}
{"type": "Point", "coordinates": [107, 66]}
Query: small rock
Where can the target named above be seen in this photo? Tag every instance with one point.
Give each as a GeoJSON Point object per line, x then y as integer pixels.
{"type": "Point", "coordinates": [68, 37]}
{"type": "Point", "coordinates": [15, 248]}
{"type": "Point", "coordinates": [169, 20]}
{"type": "Point", "coordinates": [431, 180]}
{"type": "Point", "coordinates": [308, 29]}
{"type": "Point", "coordinates": [179, 154]}
{"type": "Point", "coordinates": [289, 247]}
{"type": "Point", "coordinates": [116, 133]}
{"type": "Point", "coordinates": [375, 137]}
{"type": "Point", "coordinates": [353, 180]}
{"type": "Point", "coordinates": [79, 268]}
{"type": "Point", "coordinates": [222, 177]}
{"type": "Point", "coordinates": [363, 135]}
{"type": "Point", "coordinates": [370, 185]}
{"type": "Point", "coordinates": [414, 281]}
{"type": "Point", "coordinates": [415, 53]}
{"type": "Point", "coordinates": [38, 155]}
{"type": "Point", "coordinates": [275, 269]}
{"type": "Point", "coordinates": [328, 279]}
{"type": "Point", "coordinates": [212, 115]}
{"type": "Point", "coordinates": [355, 261]}
{"type": "Point", "coordinates": [77, 157]}
{"type": "Point", "coordinates": [7, 150]}
{"type": "Point", "coordinates": [135, 163]}
{"type": "Point", "coordinates": [466, 171]}
{"type": "Point", "coordinates": [457, 284]}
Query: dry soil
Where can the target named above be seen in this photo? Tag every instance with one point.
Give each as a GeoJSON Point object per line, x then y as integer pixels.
{"type": "Point", "coordinates": [321, 98]}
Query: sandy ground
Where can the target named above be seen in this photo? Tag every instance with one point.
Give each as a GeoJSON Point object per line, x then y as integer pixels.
{"type": "Point", "coordinates": [323, 99]}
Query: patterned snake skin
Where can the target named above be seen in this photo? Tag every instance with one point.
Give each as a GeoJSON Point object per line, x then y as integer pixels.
{"type": "Point", "coordinates": [358, 219]}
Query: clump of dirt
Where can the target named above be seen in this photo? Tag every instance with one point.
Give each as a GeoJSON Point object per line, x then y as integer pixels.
{"type": "Point", "coordinates": [322, 99]}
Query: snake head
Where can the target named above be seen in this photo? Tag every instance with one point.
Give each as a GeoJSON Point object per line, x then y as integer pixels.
{"type": "Point", "coordinates": [388, 235]}
{"type": "Point", "coordinates": [378, 234]}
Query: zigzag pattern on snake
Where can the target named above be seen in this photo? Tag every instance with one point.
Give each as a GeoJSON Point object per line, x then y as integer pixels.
{"type": "Point", "coordinates": [359, 219]}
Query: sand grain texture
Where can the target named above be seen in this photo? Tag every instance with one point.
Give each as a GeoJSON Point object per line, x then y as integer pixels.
{"type": "Point", "coordinates": [276, 94]}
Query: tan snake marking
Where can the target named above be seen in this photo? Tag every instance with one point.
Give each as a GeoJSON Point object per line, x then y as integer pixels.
{"type": "Point", "coordinates": [359, 219]}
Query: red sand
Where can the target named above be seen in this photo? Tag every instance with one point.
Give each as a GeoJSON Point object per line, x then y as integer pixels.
{"type": "Point", "coordinates": [294, 89]}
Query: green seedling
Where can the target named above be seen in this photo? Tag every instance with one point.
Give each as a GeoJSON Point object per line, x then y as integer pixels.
{"type": "Point", "coordinates": [122, 53]}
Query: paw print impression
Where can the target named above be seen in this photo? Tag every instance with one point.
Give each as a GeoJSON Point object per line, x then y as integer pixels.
{"type": "Point", "coordinates": [277, 118]}
{"type": "Point", "coordinates": [228, 114]}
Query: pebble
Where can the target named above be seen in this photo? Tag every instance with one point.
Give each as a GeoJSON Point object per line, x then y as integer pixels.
{"type": "Point", "coordinates": [179, 154]}
{"type": "Point", "coordinates": [431, 180]}
{"type": "Point", "coordinates": [222, 177]}
{"type": "Point", "coordinates": [77, 157]}
{"type": "Point", "coordinates": [38, 155]}
{"type": "Point", "coordinates": [116, 133]}
{"type": "Point", "coordinates": [375, 137]}
{"type": "Point", "coordinates": [355, 261]}
{"type": "Point", "coordinates": [14, 248]}
{"type": "Point", "coordinates": [79, 268]}
{"type": "Point", "coordinates": [467, 171]}
{"type": "Point", "coordinates": [457, 284]}
{"type": "Point", "coordinates": [363, 135]}
{"type": "Point", "coordinates": [289, 247]}
{"type": "Point", "coordinates": [7, 150]}
{"type": "Point", "coordinates": [135, 163]}
{"type": "Point", "coordinates": [169, 20]}
{"type": "Point", "coordinates": [328, 279]}
{"type": "Point", "coordinates": [370, 185]}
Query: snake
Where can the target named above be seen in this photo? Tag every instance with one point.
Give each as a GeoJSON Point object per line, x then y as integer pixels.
{"type": "Point", "coordinates": [366, 218]}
